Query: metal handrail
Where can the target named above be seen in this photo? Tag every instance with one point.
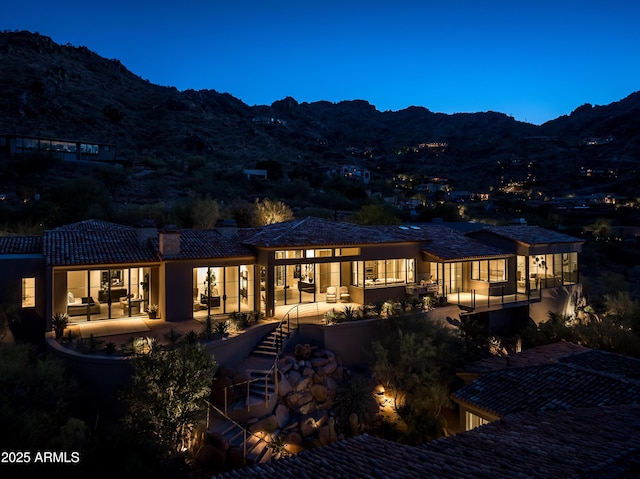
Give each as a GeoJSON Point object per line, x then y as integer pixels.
{"type": "Point", "coordinates": [286, 319]}
{"type": "Point", "coordinates": [245, 432]}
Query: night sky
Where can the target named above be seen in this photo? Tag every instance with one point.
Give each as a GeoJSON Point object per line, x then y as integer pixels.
{"type": "Point", "coordinates": [534, 61]}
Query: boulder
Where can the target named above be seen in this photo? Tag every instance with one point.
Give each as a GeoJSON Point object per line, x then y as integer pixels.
{"type": "Point", "coordinates": [282, 415]}
{"type": "Point", "coordinates": [302, 384]}
{"type": "Point", "coordinates": [323, 435]}
{"type": "Point", "coordinates": [284, 387]}
{"type": "Point", "coordinates": [267, 424]}
{"type": "Point", "coordinates": [308, 426]}
{"type": "Point", "coordinates": [331, 383]}
{"type": "Point", "coordinates": [294, 443]}
{"type": "Point", "coordinates": [308, 407]}
{"type": "Point", "coordinates": [328, 368]}
{"type": "Point", "coordinates": [293, 377]}
{"type": "Point", "coordinates": [317, 362]}
{"type": "Point", "coordinates": [319, 392]}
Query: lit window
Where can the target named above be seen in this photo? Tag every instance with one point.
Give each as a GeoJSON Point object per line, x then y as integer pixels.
{"type": "Point", "coordinates": [28, 292]}
{"type": "Point", "coordinates": [347, 251]}
{"type": "Point", "coordinates": [494, 271]}
{"type": "Point", "coordinates": [497, 270]}
{"type": "Point", "coordinates": [472, 421]}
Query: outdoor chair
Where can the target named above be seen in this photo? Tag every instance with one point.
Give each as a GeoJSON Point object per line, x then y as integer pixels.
{"type": "Point", "coordinates": [344, 294]}
{"type": "Point", "coordinates": [332, 294]}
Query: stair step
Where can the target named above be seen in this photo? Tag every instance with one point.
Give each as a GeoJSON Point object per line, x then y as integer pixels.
{"type": "Point", "coordinates": [265, 354]}
{"type": "Point", "coordinates": [265, 347]}
{"type": "Point", "coordinates": [260, 455]}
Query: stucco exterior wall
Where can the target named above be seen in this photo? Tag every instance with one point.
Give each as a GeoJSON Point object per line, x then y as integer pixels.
{"type": "Point", "coordinates": [99, 375]}
{"type": "Point", "coordinates": [556, 300]}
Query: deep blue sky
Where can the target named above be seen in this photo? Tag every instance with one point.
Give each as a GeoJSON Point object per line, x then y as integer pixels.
{"type": "Point", "coordinates": [533, 60]}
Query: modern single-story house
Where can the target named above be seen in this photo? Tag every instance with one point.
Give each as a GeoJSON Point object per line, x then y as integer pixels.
{"type": "Point", "coordinates": [95, 270]}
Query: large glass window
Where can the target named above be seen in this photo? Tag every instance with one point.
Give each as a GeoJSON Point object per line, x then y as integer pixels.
{"type": "Point", "coordinates": [110, 293]}
{"type": "Point", "coordinates": [207, 283]}
{"type": "Point", "coordinates": [288, 254]}
{"type": "Point", "coordinates": [492, 271]}
{"type": "Point", "coordinates": [28, 292]}
{"type": "Point", "coordinates": [388, 272]}
{"type": "Point", "coordinates": [497, 270]}
{"type": "Point", "coordinates": [570, 267]}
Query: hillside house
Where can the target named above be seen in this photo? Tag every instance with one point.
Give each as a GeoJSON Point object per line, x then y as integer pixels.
{"type": "Point", "coordinates": [95, 270]}
{"type": "Point", "coordinates": [20, 147]}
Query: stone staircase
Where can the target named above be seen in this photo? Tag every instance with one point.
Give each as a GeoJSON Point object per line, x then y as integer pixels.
{"type": "Point", "coordinates": [257, 447]}
{"type": "Point", "coordinates": [259, 398]}
{"type": "Point", "coordinates": [273, 343]}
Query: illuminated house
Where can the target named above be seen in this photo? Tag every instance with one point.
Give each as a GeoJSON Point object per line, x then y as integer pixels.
{"type": "Point", "coordinates": [97, 270]}
{"type": "Point", "coordinates": [55, 149]}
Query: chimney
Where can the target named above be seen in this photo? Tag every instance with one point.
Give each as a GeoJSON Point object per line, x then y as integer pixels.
{"type": "Point", "coordinates": [227, 227]}
{"type": "Point", "coordinates": [169, 241]}
{"type": "Point", "coordinates": [146, 231]}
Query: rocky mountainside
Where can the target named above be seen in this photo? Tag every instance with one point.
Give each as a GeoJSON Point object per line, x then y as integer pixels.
{"type": "Point", "coordinates": [197, 142]}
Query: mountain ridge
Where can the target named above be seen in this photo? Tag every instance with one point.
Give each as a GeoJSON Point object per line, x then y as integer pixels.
{"type": "Point", "coordinates": [69, 92]}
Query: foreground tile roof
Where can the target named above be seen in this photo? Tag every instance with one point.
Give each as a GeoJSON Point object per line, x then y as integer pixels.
{"type": "Point", "coordinates": [546, 354]}
{"type": "Point", "coordinates": [96, 242]}
{"type": "Point", "coordinates": [604, 362]}
{"type": "Point", "coordinates": [20, 245]}
{"type": "Point", "coordinates": [531, 234]}
{"type": "Point", "coordinates": [581, 443]}
{"type": "Point", "coordinates": [547, 387]}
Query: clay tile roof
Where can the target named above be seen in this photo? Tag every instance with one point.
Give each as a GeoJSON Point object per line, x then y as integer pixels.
{"type": "Point", "coordinates": [531, 234]}
{"type": "Point", "coordinates": [604, 362]}
{"type": "Point", "coordinates": [546, 387]}
{"type": "Point", "coordinates": [448, 245]}
{"type": "Point", "coordinates": [546, 354]}
{"type": "Point", "coordinates": [20, 245]}
{"type": "Point", "coordinates": [580, 443]}
{"type": "Point", "coordinates": [95, 242]}
{"type": "Point", "coordinates": [195, 244]}
{"type": "Point", "coordinates": [363, 456]}
{"type": "Point", "coordinates": [313, 231]}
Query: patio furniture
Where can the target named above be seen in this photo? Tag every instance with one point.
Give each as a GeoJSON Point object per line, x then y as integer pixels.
{"type": "Point", "coordinates": [131, 301]}
{"type": "Point", "coordinates": [332, 294]}
{"type": "Point", "coordinates": [344, 294]}
{"type": "Point", "coordinates": [215, 301]}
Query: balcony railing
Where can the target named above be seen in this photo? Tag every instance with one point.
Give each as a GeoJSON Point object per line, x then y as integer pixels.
{"type": "Point", "coordinates": [492, 297]}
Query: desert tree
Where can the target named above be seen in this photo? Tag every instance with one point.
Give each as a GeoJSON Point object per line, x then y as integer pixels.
{"type": "Point", "coordinates": [267, 212]}
{"type": "Point", "coordinates": [416, 363]}
{"type": "Point", "coordinates": [166, 398]}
